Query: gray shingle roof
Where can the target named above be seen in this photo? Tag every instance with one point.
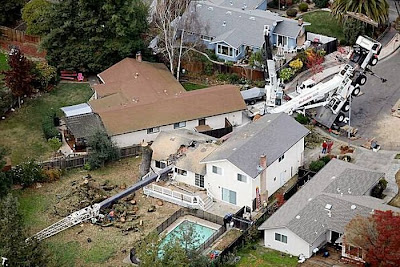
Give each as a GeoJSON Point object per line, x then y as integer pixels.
{"type": "Point", "coordinates": [84, 126]}
{"type": "Point", "coordinates": [272, 135]}
{"type": "Point", "coordinates": [245, 27]}
{"type": "Point", "coordinates": [305, 214]}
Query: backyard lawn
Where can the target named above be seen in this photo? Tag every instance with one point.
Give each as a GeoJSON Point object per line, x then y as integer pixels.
{"type": "Point", "coordinates": [22, 131]}
{"type": "Point", "coordinates": [3, 62]}
{"type": "Point", "coordinates": [322, 22]}
{"type": "Point", "coordinates": [262, 257]}
{"type": "Point", "coordinates": [193, 86]}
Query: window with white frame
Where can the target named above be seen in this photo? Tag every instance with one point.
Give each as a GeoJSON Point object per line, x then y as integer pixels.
{"type": "Point", "coordinates": [160, 164]}
{"type": "Point", "coordinates": [226, 50]}
{"type": "Point", "coordinates": [281, 238]}
{"type": "Point", "coordinates": [180, 124]}
{"type": "Point", "coordinates": [281, 158]}
{"type": "Point", "coordinates": [229, 196]}
{"type": "Point", "coordinates": [199, 180]}
{"type": "Point", "coordinates": [206, 38]}
{"type": "Point", "coordinates": [217, 170]}
{"type": "Point", "coordinates": [153, 130]}
{"type": "Point", "coordinates": [283, 40]}
{"type": "Point", "coordinates": [242, 178]}
{"type": "Point", "coordinates": [181, 172]}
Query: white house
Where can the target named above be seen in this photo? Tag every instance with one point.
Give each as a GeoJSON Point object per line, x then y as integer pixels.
{"type": "Point", "coordinates": [136, 100]}
{"type": "Point", "coordinates": [319, 211]}
{"type": "Point", "coordinates": [252, 163]}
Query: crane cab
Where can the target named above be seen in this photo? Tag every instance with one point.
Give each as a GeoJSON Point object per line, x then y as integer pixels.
{"type": "Point", "coordinates": [365, 52]}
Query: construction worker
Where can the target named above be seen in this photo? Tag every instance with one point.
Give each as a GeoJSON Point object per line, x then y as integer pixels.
{"type": "Point", "coordinates": [324, 147]}
{"type": "Point", "coordinates": [111, 215]}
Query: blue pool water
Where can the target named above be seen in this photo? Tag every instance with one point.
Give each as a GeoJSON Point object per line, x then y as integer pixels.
{"type": "Point", "coordinates": [200, 232]}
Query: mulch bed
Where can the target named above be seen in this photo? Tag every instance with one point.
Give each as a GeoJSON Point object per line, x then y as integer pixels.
{"type": "Point", "coordinates": [28, 49]}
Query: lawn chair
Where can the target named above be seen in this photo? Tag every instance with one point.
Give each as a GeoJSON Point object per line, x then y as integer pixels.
{"type": "Point", "coordinates": [80, 77]}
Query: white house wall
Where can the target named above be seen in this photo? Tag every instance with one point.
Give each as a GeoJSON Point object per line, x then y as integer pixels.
{"type": "Point", "coordinates": [215, 122]}
{"type": "Point", "coordinates": [295, 245]}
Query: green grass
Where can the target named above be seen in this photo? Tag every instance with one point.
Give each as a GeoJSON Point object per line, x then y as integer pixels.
{"type": "Point", "coordinates": [64, 254]}
{"type": "Point", "coordinates": [397, 156]}
{"type": "Point", "coordinates": [100, 252]}
{"type": "Point", "coordinates": [263, 257]}
{"type": "Point", "coordinates": [3, 63]}
{"type": "Point", "coordinates": [22, 132]}
{"type": "Point", "coordinates": [322, 22]}
{"type": "Point", "coordinates": [32, 207]}
{"type": "Point", "coordinates": [193, 86]}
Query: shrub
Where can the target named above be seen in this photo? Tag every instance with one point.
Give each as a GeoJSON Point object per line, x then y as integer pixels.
{"type": "Point", "coordinates": [316, 165]}
{"type": "Point", "coordinates": [27, 174]}
{"type": "Point", "coordinates": [325, 159]}
{"type": "Point", "coordinates": [285, 74]}
{"type": "Point", "coordinates": [49, 130]}
{"type": "Point", "coordinates": [303, 7]}
{"type": "Point", "coordinates": [226, 77]}
{"type": "Point", "coordinates": [52, 174]}
{"type": "Point", "coordinates": [208, 68]}
{"type": "Point", "coordinates": [352, 29]}
{"type": "Point", "coordinates": [296, 64]}
{"type": "Point", "coordinates": [103, 150]}
{"type": "Point", "coordinates": [321, 3]}
{"type": "Point", "coordinates": [45, 76]}
{"type": "Point", "coordinates": [256, 59]}
{"type": "Point", "coordinates": [291, 12]}
{"type": "Point", "coordinates": [300, 118]}
{"type": "Point", "coordinates": [259, 84]}
{"type": "Point", "coordinates": [377, 190]}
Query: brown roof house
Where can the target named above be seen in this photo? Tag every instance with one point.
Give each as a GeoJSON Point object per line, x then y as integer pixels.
{"type": "Point", "coordinates": [136, 100]}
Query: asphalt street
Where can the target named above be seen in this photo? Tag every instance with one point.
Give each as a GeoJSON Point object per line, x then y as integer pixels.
{"type": "Point", "coordinates": [371, 111]}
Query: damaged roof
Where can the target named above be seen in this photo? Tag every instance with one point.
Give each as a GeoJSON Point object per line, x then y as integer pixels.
{"type": "Point", "coordinates": [84, 126]}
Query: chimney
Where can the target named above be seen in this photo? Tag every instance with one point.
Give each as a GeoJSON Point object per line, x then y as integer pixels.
{"type": "Point", "coordinates": [139, 56]}
{"type": "Point", "coordinates": [263, 178]}
{"type": "Point", "coordinates": [300, 21]}
{"type": "Point", "coordinates": [263, 161]}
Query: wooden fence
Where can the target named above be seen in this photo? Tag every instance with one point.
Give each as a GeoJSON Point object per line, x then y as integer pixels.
{"type": "Point", "coordinates": [77, 160]}
{"type": "Point", "coordinates": [19, 36]}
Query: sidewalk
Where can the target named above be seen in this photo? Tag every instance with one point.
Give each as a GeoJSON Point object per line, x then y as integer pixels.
{"type": "Point", "coordinates": [330, 60]}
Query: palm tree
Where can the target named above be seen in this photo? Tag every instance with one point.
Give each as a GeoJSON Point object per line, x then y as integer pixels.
{"type": "Point", "coordinates": [377, 10]}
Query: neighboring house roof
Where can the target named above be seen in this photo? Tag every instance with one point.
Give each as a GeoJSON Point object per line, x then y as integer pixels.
{"type": "Point", "coordinates": [184, 148]}
{"type": "Point", "coordinates": [246, 4]}
{"type": "Point", "coordinates": [272, 135]}
{"type": "Point", "coordinates": [167, 143]}
{"type": "Point", "coordinates": [76, 110]}
{"type": "Point", "coordinates": [143, 82]}
{"type": "Point", "coordinates": [305, 214]}
{"type": "Point", "coordinates": [240, 27]}
{"type": "Point", "coordinates": [120, 118]}
{"type": "Point", "coordinates": [83, 126]}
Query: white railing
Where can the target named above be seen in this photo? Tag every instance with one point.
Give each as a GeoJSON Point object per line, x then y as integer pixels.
{"type": "Point", "coordinates": [185, 200]}
{"type": "Point", "coordinates": [210, 195]}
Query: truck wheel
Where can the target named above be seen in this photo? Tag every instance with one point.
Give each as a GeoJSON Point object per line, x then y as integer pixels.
{"type": "Point", "coordinates": [356, 91]}
{"type": "Point", "coordinates": [340, 117]}
{"type": "Point", "coordinates": [346, 107]}
{"type": "Point", "coordinates": [362, 80]}
{"type": "Point", "coordinates": [374, 61]}
{"type": "Point", "coordinates": [252, 102]}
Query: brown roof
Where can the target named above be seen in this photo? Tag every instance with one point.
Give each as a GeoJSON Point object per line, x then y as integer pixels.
{"type": "Point", "coordinates": [143, 82]}
{"type": "Point", "coordinates": [119, 118]}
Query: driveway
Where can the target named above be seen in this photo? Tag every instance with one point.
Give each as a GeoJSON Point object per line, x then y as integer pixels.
{"type": "Point", "coordinates": [371, 112]}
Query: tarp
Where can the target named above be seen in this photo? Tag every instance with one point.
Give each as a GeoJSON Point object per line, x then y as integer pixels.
{"type": "Point", "coordinates": [75, 110]}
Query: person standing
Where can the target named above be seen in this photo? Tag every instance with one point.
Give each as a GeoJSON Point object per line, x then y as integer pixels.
{"type": "Point", "coordinates": [324, 146]}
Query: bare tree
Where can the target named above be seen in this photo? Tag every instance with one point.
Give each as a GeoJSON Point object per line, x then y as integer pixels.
{"type": "Point", "coordinates": [178, 30]}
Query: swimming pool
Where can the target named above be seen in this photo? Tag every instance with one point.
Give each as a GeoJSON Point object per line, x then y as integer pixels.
{"type": "Point", "coordinates": [200, 232]}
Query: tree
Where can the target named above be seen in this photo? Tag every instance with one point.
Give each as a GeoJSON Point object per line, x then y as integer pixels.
{"type": "Point", "coordinates": [352, 29]}
{"type": "Point", "coordinates": [5, 182]}
{"type": "Point", "coordinates": [377, 10]}
{"type": "Point", "coordinates": [10, 11]}
{"type": "Point", "coordinates": [314, 61]}
{"type": "Point", "coordinates": [321, 3]}
{"type": "Point", "coordinates": [19, 77]}
{"type": "Point", "coordinates": [12, 235]}
{"type": "Point", "coordinates": [378, 236]}
{"type": "Point", "coordinates": [92, 35]}
{"type": "Point", "coordinates": [103, 150]}
{"type": "Point", "coordinates": [27, 173]}
{"type": "Point", "coordinates": [35, 14]}
{"type": "Point", "coordinates": [45, 76]}
{"type": "Point", "coordinates": [171, 22]}
{"type": "Point", "coordinates": [54, 143]}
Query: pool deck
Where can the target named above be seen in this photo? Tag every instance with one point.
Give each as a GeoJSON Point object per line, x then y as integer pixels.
{"type": "Point", "coordinates": [192, 219]}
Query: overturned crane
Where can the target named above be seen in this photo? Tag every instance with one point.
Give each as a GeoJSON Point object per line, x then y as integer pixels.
{"type": "Point", "coordinates": [92, 212]}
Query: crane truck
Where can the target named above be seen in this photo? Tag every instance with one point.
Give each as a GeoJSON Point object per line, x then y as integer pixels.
{"type": "Point", "coordinates": [328, 100]}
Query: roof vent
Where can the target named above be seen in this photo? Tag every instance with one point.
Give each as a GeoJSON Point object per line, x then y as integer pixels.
{"type": "Point", "coordinates": [210, 8]}
{"type": "Point", "coordinates": [338, 190]}
{"type": "Point", "coordinates": [198, 5]}
{"type": "Point", "coordinates": [349, 191]}
{"type": "Point", "coordinates": [228, 12]}
{"type": "Point", "coordinates": [231, 2]}
{"type": "Point", "coordinates": [333, 177]}
{"type": "Point", "coordinates": [353, 207]}
{"type": "Point", "coordinates": [252, 18]}
{"type": "Point", "coordinates": [244, 6]}
{"type": "Point", "coordinates": [298, 217]}
{"type": "Point", "coordinates": [224, 23]}
{"type": "Point", "coordinates": [328, 206]}
{"type": "Point", "coordinates": [310, 199]}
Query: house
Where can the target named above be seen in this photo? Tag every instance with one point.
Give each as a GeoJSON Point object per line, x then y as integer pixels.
{"type": "Point", "coordinates": [81, 123]}
{"type": "Point", "coordinates": [318, 213]}
{"type": "Point", "coordinates": [251, 164]}
{"type": "Point", "coordinates": [136, 100]}
{"type": "Point", "coordinates": [234, 29]}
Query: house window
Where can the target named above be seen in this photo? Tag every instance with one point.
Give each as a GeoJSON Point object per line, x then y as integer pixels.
{"type": "Point", "coordinates": [181, 172]}
{"type": "Point", "coordinates": [160, 164]}
{"type": "Point", "coordinates": [206, 38]}
{"type": "Point", "coordinates": [283, 40]}
{"type": "Point", "coordinates": [199, 180]}
{"type": "Point", "coordinates": [180, 124]}
{"type": "Point", "coordinates": [153, 130]}
{"type": "Point", "coordinates": [202, 121]}
{"type": "Point", "coordinates": [229, 196]}
{"type": "Point", "coordinates": [217, 170]}
{"type": "Point", "coordinates": [226, 50]}
{"type": "Point", "coordinates": [281, 238]}
{"type": "Point", "coordinates": [242, 178]}
{"type": "Point", "coordinates": [281, 157]}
